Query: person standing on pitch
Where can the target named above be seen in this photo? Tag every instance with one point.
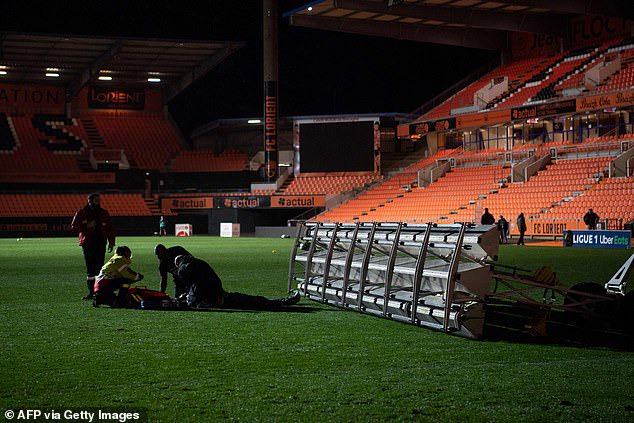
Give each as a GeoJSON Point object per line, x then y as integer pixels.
{"type": "Point", "coordinates": [95, 228]}
{"type": "Point", "coordinates": [162, 227]}
{"type": "Point", "coordinates": [503, 227]}
{"type": "Point", "coordinates": [166, 258]}
{"type": "Point", "coordinates": [487, 218]}
{"type": "Point", "coordinates": [521, 227]}
{"type": "Point", "coordinates": [591, 219]}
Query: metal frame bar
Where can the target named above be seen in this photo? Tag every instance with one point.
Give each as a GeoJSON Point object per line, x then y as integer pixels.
{"type": "Point", "coordinates": [364, 266]}
{"type": "Point", "coordinates": [522, 295]}
{"type": "Point", "coordinates": [291, 265]}
{"type": "Point", "coordinates": [331, 247]}
{"type": "Point", "coordinates": [309, 258]}
{"type": "Point", "coordinates": [389, 274]}
{"type": "Point", "coordinates": [418, 272]}
{"type": "Point", "coordinates": [451, 279]}
{"type": "Point", "coordinates": [349, 257]}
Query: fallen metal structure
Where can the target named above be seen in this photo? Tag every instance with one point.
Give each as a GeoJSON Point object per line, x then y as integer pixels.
{"type": "Point", "coordinates": [442, 277]}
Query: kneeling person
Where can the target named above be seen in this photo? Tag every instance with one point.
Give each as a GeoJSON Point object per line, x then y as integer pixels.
{"type": "Point", "coordinates": [204, 289]}
{"type": "Point", "coordinates": [166, 258]}
{"type": "Point", "coordinates": [115, 274]}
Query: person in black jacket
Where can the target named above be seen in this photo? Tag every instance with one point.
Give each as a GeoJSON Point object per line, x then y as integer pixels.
{"type": "Point", "coordinates": [487, 218]}
{"type": "Point", "coordinates": [204, 289]}
{"type": "Point", "coordinates": [521, 227]}
{"type": "Point", "coordinates": [166, 258]}
{"type": "Point", "coordinates": [591, 219]}
{"type": "Point", "coordinates": [503, 227]}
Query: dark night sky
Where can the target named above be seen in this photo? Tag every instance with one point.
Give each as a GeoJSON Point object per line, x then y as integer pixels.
{"type": "Point", "coordinates": [320, 72]}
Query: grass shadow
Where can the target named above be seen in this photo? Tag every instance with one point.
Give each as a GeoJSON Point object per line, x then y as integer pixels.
{"type": "Point", "coordinates": [290, 309]}
{"type": "Point", "coordinates": [558, 333]}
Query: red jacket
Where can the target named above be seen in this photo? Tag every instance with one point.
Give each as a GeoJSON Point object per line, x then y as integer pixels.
{"type": "Point", "coordinates": [85, 221]}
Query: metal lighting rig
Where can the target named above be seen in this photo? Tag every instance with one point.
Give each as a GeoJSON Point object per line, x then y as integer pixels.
{"type": "Point", "coordinates": [445, 277]}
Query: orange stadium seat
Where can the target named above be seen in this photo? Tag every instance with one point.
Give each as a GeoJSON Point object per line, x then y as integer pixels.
{"type": "Point", "coordinates": [462, 193]}
{"type": "Point", "coordinates": [36, 151]}
{"type": "Point", "coordinates": [536, 79]}
{"type": "Point", "coordinates": [149, 141]}
{"type": "Point", "coordinates": [327, 184]}
{"type": "Point", "coordinates": [65, 205]}
{"type": "Point", "coordinates": [207, 161]}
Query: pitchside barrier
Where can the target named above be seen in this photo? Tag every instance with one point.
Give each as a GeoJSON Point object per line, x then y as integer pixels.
{"type": "Point", "coordinates": [598, 239]}
{"type": "Point", "coordinates": [555, 228]}
{"type": "Point", "coordinates": [444, 277]}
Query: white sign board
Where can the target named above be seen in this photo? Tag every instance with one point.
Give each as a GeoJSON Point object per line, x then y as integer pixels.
{"type": "Point", "coordinates": [229, 230]}
{"type": "Point", "coordinates": [183, 229]}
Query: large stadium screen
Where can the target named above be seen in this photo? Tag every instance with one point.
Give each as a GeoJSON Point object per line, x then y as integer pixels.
{"type": "Point", "coordinates": [337, 147]}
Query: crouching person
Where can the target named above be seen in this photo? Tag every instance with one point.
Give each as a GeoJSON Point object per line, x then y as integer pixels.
{"type": "Point", "coordinates": [116, 274]}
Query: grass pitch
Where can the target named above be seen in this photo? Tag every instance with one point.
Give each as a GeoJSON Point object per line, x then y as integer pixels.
{"type": "Point", "coordinates": [59, 353]}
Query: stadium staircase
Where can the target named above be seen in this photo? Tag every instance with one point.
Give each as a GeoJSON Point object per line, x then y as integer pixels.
{"type": "Point", "coordinates": [393, 163]}
{"type": "Point", "coordinates": [94, 137]}
{"type": "Point", "coordinates": [558, 183]}
{"type": "Point", "coordinates": [286, 184]}
{"type": "Point", "coordinates": [622, 80]}
{"type": "Point", "coordinates": [153, 206]}
{"type": "Point", "coordinates": [148, 141]}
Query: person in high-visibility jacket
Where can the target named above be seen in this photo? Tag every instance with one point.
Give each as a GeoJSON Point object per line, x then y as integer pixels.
{"type": "Point", "coordinates": [115, 274]}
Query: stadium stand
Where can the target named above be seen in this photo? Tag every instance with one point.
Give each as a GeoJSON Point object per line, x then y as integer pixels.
{"type": "Point", "coordinates": [452, 185]}
{"type": "Point", "coordinates": [325, 184]}
{"type": "Point", "coordinates": [207, 161]}
{"type": "Point", "coordinates": [611, 198]}
{"type": "Point", "coordinates": [384, 193]}
{"type": "Point", "coordinates": [517, 74]}
{"type": "Point", "coordinates": [26, 145]}
{"type": "Point", "coordinates": [149, 141]}
{"type": "Point", "coordinates": [564, 189]}
{"type": "Point", "coordinates": [64, 205]}
{"type": "Point", "coordinates": [544, 190]}
{"type": "Point", "coordinates": [540, 79]}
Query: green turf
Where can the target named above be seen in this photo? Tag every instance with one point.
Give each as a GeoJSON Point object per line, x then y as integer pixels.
{"type": "Point", "coordinates": [58, 352]}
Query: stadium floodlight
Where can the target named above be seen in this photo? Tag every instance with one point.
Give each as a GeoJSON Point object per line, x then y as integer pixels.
{"type": "Point", "coordinates": [445, 277]}
{"type": "Point", "coordinates": [52, 74]}
{"type": "Point", "coordinates": [105, 78]}
{"type": "Point", "coordinates": [428, 275]}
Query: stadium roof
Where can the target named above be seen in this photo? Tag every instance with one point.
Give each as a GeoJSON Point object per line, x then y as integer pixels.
{"type": "Point", "coordinates": [466, 23]}
{"type": "Point", "coordinates": [79, 60]}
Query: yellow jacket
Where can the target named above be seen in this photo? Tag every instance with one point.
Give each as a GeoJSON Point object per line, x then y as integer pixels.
{"type": "Point", "coordinates": [118, 267]}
